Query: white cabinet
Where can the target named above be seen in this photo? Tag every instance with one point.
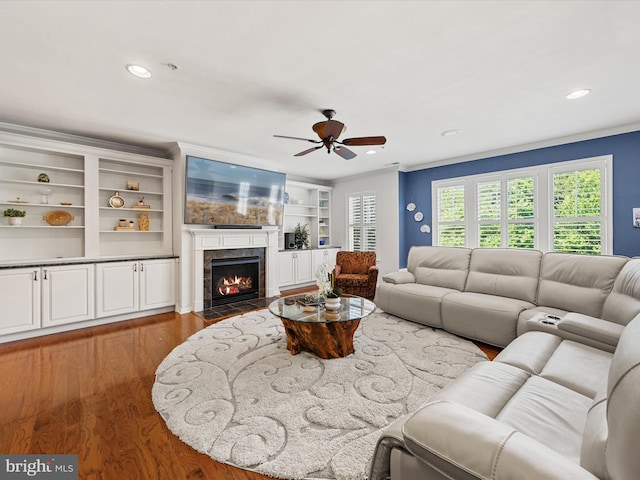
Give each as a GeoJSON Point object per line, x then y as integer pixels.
{"type": "Point", "coordinates": [20, 300]}
{"type": "Point", "coordinates": [45, 296]}
{"type": "Point", "coordinates": [157, 283]}
{"type": "Point", "coordinates": [309, 205]}
{"type": "Point", "coordinates": [67, 294]}
{"type": "Point", "coordinates": [125, 287]}
{"type": "Point", "coordinates": [324, 255]}
{"type": "Point", "coordinates": [295, 267]}
{"type": "Point", "coordinates": [142, 190]}
{"type": "Point", "coordinates": [52, 180]}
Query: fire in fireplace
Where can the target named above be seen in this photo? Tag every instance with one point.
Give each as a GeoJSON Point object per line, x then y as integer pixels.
{"type": "Point", "coordinates": [234, 279]}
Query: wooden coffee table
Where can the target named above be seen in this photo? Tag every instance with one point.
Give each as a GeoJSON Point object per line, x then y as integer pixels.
{"type": "Point", "coordinates": [324, 333]}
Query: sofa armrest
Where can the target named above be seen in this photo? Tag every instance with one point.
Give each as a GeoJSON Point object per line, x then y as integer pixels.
{"type": "Point", "coordinates": [458, 440]}
{"type": "Point", "coordinates": [399, 277]}
{"type": "Point", "coordinates": [592, 328]}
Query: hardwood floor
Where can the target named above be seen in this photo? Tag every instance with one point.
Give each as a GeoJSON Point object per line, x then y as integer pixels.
{"type": "Point", "coordinates": [88, 392]}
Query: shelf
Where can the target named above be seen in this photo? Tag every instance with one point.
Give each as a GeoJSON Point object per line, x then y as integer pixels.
{"type": "Point", "coordinates": [40, 167]}
{"type": "Point", "coordinates": [43, 205]}
{"type": "Point", "coordinates": [61, 227]}
{"type": "Point", "coordinates": [40, 184]}
{"type": "Point", "coordinates": [125, 191]}
{"type": "Point", "coordinates": [128, 172]}
{"type": "Point", "coordinates": [131, 209]}
{"type": "Point", "coordinates": [288, 205]}
{"type": "Point", "coordinates": [131, 231]}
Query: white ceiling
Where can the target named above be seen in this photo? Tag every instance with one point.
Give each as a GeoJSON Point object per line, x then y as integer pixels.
{"type": "Point", "coordinates": [497, 70]}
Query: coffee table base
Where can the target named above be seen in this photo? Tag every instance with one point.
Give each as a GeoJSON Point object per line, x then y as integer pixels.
{"type": "Point", "coordinates": [326, 340]}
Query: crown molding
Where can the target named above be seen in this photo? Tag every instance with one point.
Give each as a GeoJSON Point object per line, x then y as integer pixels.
{"type": "Point", "coordinates": [80, 140]}
{"type": "Point", "coordinates": [554, 142]}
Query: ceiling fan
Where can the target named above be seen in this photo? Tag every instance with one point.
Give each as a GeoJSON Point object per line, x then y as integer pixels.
{"type": "Point", "coordinates": [329, 131]}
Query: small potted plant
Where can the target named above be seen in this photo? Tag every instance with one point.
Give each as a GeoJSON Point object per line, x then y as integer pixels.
{"type": "Point", "coordinates": [15, 216]}
{"type": "Point", "coordinates": [332, 294]}
{"type": "Point", "coordinates": [301, 236]}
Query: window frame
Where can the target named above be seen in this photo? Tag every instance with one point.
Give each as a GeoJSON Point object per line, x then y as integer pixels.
{"type": "Point", "coordinates": [362, 225]}
{"type": "Point", "coordinates": [543, 218]}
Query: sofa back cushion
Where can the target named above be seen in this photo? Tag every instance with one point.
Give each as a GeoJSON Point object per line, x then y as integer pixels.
{"type": "Point", "coordinates": [445, 267]}
{"type": "Point", "coordinates": [578, 283]}
{"type": "Point", "coordinates": [623, 303]}
{"type": "Point", "coordinates": [623, 408]}
{"type": "Point", "coordinates": [507, 272]}
{"type": "Point", "coordinates": [355, 262]}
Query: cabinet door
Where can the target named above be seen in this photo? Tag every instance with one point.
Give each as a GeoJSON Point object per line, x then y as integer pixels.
{"type": "Point", "coordinates": [286, 267]}
{"type": "Point", "coordinates": [116, 288]}
{"type": "Point", "coordinates": [157, 283]}
{"type": "Point", "coordinates": [67, 294]}
{"type": "Point", "coordinates": [20, 299]}
{"type": "Point", "coordinates": [303, 267]}
{"type": "Point", "coordinates": [330, 256]}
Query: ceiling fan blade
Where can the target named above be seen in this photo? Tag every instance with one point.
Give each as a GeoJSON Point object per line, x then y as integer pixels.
{"type": "Point", "coordinates": [309, 150]}
{"type": "Point", "coordinates": [362, 141]}
{"type": "Point", "coordinates": [298, 138]}
{"type": "Point", "coordinates": [329, 128]}
{"type": "Point", "coordinates": [344, 152]}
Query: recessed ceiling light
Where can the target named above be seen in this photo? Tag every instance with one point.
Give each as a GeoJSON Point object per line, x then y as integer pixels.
{"type": "Point", "coordinates": [451, 133]}
{"type": "Point", "coordinates": [370, 152]}
{"type": "Point", "coordinates": [138, 71]}
{"type": "Point", "coordinates": [578, 94]}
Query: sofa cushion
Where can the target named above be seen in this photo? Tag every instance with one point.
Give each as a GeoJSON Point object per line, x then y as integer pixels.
{"type": "Point", "coordinates": [594, 438]}
{"type": "Point", "coordinates": [505, 272]}
{"type": "Point", "coordinates": [623, 303]}
{"type": "Point", "coordinates": [412, 301]}
{"type": "Point", "coordinates": [577, 283]}
{"type": "Point", "coordinates": [549, 413]}
{"type": "Point", "coordinates": [445, 267]}
{"type": "Point", "coordinates": [487, 318]}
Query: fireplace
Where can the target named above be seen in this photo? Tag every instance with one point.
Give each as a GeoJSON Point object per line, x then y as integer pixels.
{"type": "Point", "coordinates": [232, 275]}
{"type": "Point", "coordinates": [234, 279]}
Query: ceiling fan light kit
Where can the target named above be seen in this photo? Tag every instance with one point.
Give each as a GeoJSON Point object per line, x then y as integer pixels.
{"type": "Point", "coordinates": [329, 131]}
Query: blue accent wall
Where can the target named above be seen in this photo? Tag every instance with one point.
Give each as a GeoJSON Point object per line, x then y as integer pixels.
{"type": "Point", "coordinates": [625, 148]}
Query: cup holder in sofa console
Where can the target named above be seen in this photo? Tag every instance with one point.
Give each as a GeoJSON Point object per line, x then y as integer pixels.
{"type": "Point", "coordinates": [550, 320]}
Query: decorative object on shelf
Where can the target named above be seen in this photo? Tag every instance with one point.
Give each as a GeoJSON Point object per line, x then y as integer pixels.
{"type": "Point", "coordinates": [15, 216]}
{"type": "Point", "coordinates": [123, 222]}
{"type": "Point", "coordinates": [58, 218]}
{"type": "Point", "coordinates": [301, 235]}
{"type": "Point", "coordinates": [140, 204]}
{"type": "Point", "coordinates": [17, 200]}
{"type": "Point", "coordinates": [418, 216]}
{"type": "Point", "coordinates": [425, 228]}
{"type": "Point", "coordinates": [43, 178]}
{"type": "Point", "coordinates": [128, 228]}
{"type": "Point", "coordinates": [286, 197]}
{"type": "Point", "coordinates": [116, 201]}
{"type": "Point", "coordinates": [325, 279]}
{"type": "Point", "coordinates": [133, 185]}
{"type": "Point", "coordinates": [66, 203]}
{"type": "Point", "coordinates": [143, 222]}
{"type": "Point", "coordinates": [44, 195]}
{"type": "Point", "coordinates": [411, 206]}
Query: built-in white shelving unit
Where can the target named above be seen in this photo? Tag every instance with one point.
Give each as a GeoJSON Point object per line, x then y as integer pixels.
{"type": "Point", "coordinates": [311, 205]}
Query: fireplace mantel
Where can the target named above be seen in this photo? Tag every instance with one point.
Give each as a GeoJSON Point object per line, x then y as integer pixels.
{"type": "Point", "coordinates": [224, 239]}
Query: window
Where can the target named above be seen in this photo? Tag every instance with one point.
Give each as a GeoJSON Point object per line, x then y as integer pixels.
{"type": "Point", "coordinates": [362, 222]}
{"type": "Point", "coordinates": [562, 207]}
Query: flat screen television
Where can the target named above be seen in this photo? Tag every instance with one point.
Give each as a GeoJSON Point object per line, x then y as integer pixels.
{"type": "Point", "coordinates": [223, 194]}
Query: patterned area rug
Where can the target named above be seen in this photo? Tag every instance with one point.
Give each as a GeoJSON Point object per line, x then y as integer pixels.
{"type": "Point", "coordinates": [234, 392]}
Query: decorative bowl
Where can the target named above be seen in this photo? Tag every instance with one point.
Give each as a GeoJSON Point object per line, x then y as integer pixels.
{"type": "Point", "coordinates": [58, 218]}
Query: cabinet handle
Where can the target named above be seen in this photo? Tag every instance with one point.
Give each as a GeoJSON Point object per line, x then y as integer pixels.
{"type": "Point", "coordinates": [35, 275]}
{"type": "Point", "coordinates": [45, 275]}
{"type": "Point", "coordinates": [142, 267]}
{"type": "Point", "coordinates": [135, 267]}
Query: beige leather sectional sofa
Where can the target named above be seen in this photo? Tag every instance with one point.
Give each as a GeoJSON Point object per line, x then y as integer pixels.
{"type": "Point", "coordinates": [561, 401]}
{"type": "Point", "coordinates": [492, 295]}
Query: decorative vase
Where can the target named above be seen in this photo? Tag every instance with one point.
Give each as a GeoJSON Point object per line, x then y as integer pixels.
{"type": "Point", "coordinates": [15, 220]}
{"type": "Point", "coordinates": [332, 303]}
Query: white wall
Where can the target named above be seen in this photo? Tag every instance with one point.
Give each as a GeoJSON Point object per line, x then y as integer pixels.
{"type": "Point", "coordinates": [385, 184]}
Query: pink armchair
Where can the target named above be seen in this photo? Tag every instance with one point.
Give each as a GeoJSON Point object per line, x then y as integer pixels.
{"type": "Point", "coordinates": [357, 273]}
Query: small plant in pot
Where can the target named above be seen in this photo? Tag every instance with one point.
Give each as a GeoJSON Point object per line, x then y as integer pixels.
{"type": "Point", "coordinates": [332, 294]}
{"type": "Point", "coordinates": [15, 216]}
